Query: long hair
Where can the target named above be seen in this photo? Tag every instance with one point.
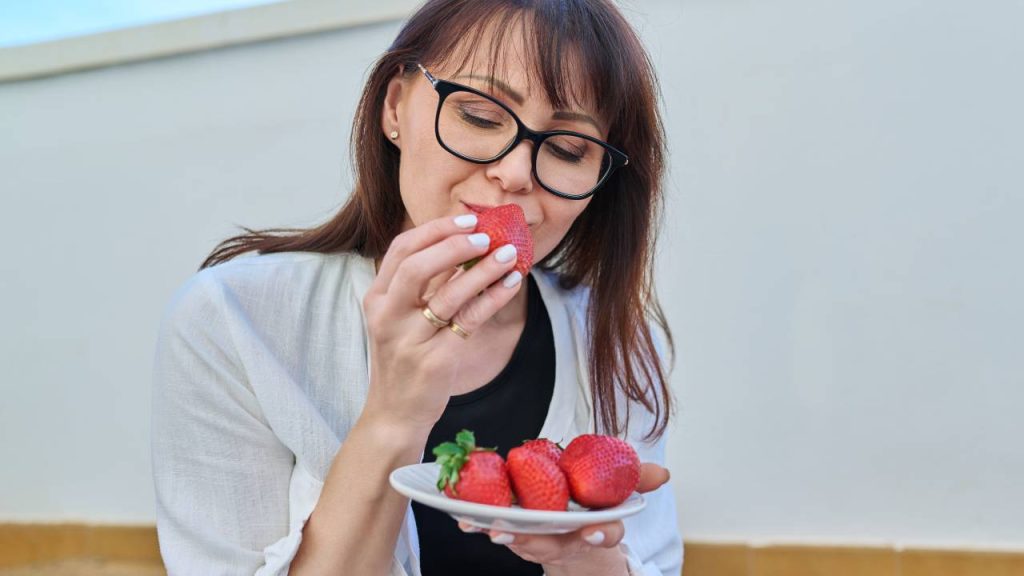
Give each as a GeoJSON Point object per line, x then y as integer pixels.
{"type": "Point", "coordinates": [609, 249]}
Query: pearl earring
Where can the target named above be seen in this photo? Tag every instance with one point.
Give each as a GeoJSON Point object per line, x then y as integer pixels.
{"type": "Point", "coordinates": [394, 134]}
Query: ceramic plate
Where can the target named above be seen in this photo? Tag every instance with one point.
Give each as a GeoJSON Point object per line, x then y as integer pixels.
{"type": "Point", "coordinates": [419, 482]}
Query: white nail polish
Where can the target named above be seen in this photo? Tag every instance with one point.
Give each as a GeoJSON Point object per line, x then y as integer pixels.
{"type": "Point", "coordinates": [466, 221]}
{"type": "Point", "coordinates": [595, 539]}
{"type": "Point", "coordinates": [503, 538]}
{"type": "Point", "coordinates": [470, 529]}
{"type": "Point", "coordinates": [479, 240]}
{"type": "Point", "coordinates": [506, 253]}
{"type": "Point", "coordinates": [512, 279]}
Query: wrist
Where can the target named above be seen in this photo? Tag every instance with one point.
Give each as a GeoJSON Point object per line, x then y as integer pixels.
{"type": "Point", "coordinates": [391, 436]}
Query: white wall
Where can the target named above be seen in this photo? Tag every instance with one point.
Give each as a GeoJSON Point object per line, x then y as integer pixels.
{"type": "Point", "coordinates": [116, 183]}
{"type": "Point", "coordinates": [846, 270]}
{"type": "Point", "coordinates": [839, 263]}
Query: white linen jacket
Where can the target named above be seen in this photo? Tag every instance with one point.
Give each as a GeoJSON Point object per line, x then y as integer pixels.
{"type": "Point", "coordinates": [260, 371]}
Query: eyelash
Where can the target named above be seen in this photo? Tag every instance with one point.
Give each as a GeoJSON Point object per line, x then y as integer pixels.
{"type": "Point", "coordinates": [478, 121]}
{"type": "Point", "coordinates": [565, 154]}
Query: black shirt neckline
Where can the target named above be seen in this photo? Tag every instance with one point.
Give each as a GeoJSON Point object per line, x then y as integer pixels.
{"type": "Point", "coordinates": [532, 315]}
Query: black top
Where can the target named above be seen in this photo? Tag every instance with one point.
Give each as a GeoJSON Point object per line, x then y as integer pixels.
{"type": "Point", "coordinates": [504, 412]}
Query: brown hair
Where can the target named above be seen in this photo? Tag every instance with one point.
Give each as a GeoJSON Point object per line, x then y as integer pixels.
{"type": "Point", "coordinates": [610, 246]}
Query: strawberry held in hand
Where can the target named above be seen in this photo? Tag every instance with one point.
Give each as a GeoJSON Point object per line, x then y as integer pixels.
{"type": "Point", "coordinates": [537, 481]}
{"type": "Point", "coordinates": [602, 470]}
{"type": "Point", "coordinates": [472, 474]}
{"type": "Point", "coordinates": [506, 224]}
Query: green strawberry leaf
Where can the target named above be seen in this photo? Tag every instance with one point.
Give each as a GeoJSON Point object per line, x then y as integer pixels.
{"type": "Point", "coordinates": [466, 440]}
{"type": "Point", "coordinates": [447, 449]}
{"type": "Point", "coordinates": [451, 457]}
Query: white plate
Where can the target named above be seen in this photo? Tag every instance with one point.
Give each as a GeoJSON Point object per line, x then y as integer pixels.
{"type": "Point", "coordinates": [419, 482]}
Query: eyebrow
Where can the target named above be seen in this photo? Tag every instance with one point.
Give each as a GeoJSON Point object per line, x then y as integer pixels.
{"type": "Point", "coordinates": [519, 100]}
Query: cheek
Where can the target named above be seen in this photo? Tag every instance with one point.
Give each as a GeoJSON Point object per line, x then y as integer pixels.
{"type": "Point", "coordinates": [559, 215]}
{"type": "Point", "coordinates": [427, 173]}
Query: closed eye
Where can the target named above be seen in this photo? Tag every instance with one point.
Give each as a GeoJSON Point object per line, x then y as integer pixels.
{"type": "Point", "coordinates": [564, 154]}
{"type": "Point", "coordinates": [477, 120]}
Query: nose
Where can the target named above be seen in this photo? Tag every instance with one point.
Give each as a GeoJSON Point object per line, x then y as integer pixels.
{"type": "Point", "coordinates": [514, 172]}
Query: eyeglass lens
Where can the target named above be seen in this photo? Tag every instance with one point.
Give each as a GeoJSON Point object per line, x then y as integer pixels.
{"type": "Point", "coordinates": [480, 129]}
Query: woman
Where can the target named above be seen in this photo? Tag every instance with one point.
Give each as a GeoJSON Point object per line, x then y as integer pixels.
{"type": "Point", "coordinates": [288, 385]}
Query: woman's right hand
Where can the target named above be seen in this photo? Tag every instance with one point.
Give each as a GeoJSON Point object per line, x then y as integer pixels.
{"type": "Point", "coordinates": [413, 364]}
{"type": "Point", "coordinates": [413, 368]}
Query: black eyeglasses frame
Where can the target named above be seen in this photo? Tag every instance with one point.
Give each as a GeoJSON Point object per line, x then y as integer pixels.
{"type": "Point", "coordinates": [446, 88]}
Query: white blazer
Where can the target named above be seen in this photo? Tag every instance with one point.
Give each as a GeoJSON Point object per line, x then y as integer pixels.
{"type": "Point", "coordinates": [260, 371]}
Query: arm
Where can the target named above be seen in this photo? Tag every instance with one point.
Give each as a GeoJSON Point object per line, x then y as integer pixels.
{"type": "Point", "coordinates": [413, 366]}
{"type": "Point", "coordinates": [358, 518]}
{"type": "Point", "coordinates": [652, 540]}
{"type": "Point", "coordinates": [230, 498]}
{"type": "Point", "coordinates": [222, 478]}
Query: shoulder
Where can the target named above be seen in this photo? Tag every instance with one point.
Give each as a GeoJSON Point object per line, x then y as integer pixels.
{"type": "Point", "coordinates": [283, 269]}
{"type": "Point", "coordinates": [263, 284]}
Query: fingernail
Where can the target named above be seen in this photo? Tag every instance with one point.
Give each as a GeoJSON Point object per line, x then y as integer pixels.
{"type": "Point", "coordinates": [512, 279]}
{"type": "Point", "coordinates": [469, 528]}
{"type": "Point", "coordinates": [479, 240]}
{"type": "Point", "coordinates": [503, 538]}
{"type": "Point", "coordinates": [466, 221]}
{"type": "Point", "coordinates": [506, 253]}
{"type": "Point", "coordinates": [595, 538]}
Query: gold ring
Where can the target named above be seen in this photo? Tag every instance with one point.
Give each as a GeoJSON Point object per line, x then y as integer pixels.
{"type": "Point", "coordinates": [458, 330]}
{"type": "Point", "coordinates": [437, 322]}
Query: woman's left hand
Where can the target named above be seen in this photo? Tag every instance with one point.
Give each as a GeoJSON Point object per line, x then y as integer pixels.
{"type": "Point", "coordinates": [591, 546]}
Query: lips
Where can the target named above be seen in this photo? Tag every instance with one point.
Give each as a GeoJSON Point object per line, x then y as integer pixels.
{"type": "Point", "coordinates": [477, 208]}
{"type": "Point", "coordinates": [480, 209]}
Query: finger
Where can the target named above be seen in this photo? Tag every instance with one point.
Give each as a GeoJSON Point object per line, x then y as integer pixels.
{"type": "Point", "coordinates": [443, 277]}
{"type": "Point", "coordinates": [538, 547]}
{"type": "Point", "coordinates": [468, 528]}
{"type": "Point", "coordinates": [418, 269]}
{"type": "Point", "coordinates": [605, 535]}
{"type": "Point", "coordinates": [504, 538]}
{"type": "Point", "coordinates": [416, 239]}
{"type": "Point", "coordinates": [652, 477]}
{"type": "Point", "coordinates": [453, 296]}
{"type": "Point", "coordinates": [481, 308]}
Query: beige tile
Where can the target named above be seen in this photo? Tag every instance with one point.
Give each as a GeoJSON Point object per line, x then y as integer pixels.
{"type": "Point", "coordinates": [917, 562]}
{"type": "Point", "coordinates": [26, 543]}
{"type": "Point", "coordinates": [702, 559]}
{"type": "Point", "coordinates": [22, 544]}
{"type": "Point", "coordinates": [823, 561]}
{"type": "Point", "coordinates": [86, 568]}
{"type": "Point", "coordinates": [124, 543]}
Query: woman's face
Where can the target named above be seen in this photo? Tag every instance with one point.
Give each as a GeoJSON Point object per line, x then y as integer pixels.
{"type": "Point", "coordinates": [435, 183]}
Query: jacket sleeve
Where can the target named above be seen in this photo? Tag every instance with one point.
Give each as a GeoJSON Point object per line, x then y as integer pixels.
{"type": "Point", "coordinates": [229, 497]}
{"type": "Point", "coordinates": [652, 539]}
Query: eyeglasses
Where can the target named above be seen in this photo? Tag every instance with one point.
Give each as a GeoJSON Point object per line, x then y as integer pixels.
{"type": "Point", "coordinates": [475, 127]}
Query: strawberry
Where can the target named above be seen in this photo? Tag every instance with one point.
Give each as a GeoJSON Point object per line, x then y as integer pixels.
{"type": "Point", "coordinates": [506, 224]}
{"type": "Point", "coordinates": [471, 473]}
{"type": "Point", "coordinates": [537, 481]}
{"type": "Point", "coordinates": [545, 447]}
{"type": "Point", "coordinates": [602, 470]}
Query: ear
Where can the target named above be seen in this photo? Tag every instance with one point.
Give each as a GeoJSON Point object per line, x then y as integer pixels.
{"type": "Point", "coordinates": [391, 112]}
